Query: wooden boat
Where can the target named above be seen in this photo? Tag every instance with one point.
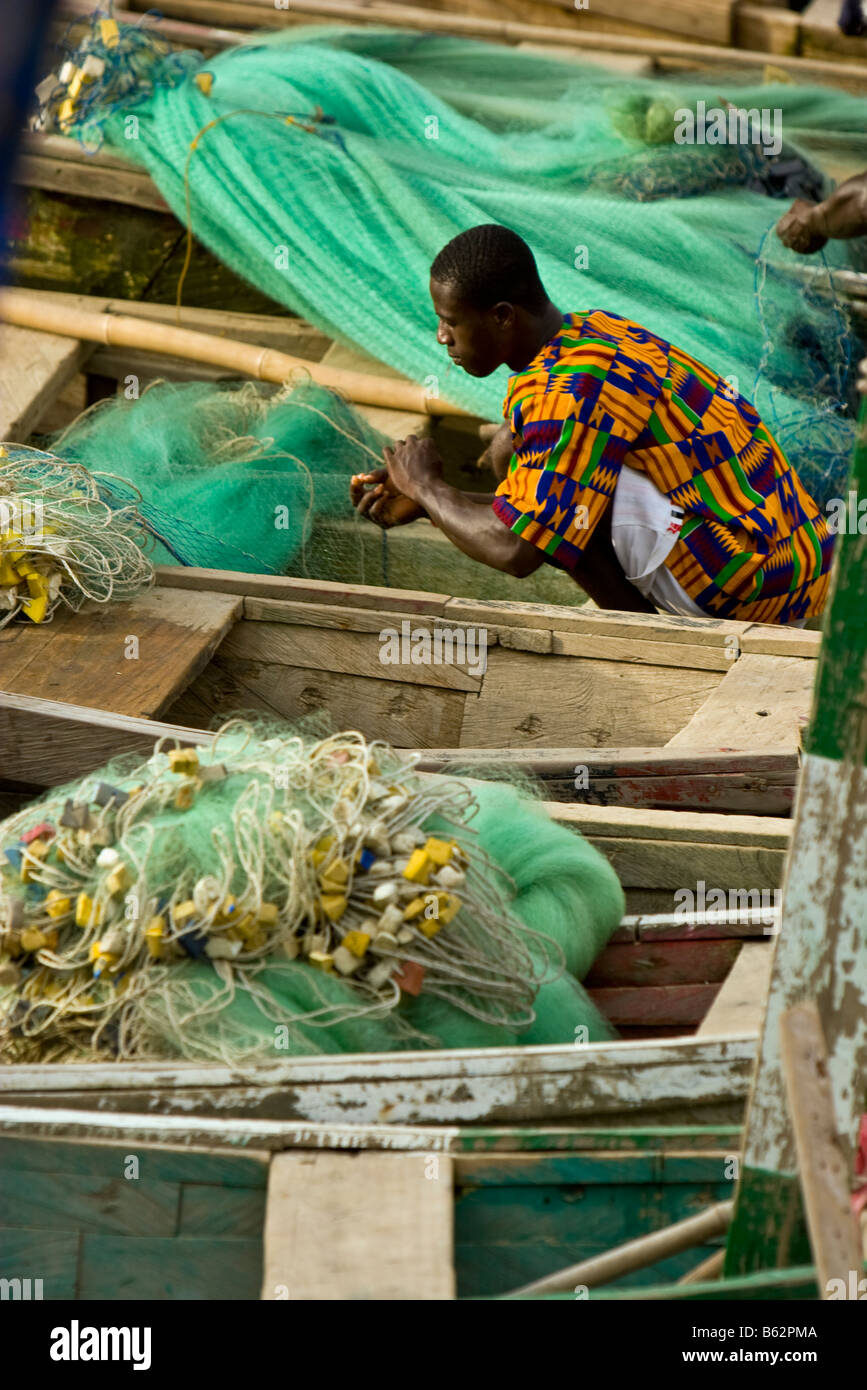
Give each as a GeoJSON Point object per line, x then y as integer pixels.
{"type": "Point", "coordinates": [227, 1209]}
{"type": "Point", "coordinates": [548, 1132]}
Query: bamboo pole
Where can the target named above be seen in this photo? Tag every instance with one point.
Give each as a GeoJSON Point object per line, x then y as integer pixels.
{"type": "Point", "coordinates": [261, 13]}
{"type": "Point", "coordinates": [27, 310]}
{"type": "Point", "coordinates": [709, 1269]}
{"type": "Point", "coordinates": [635, 1254]}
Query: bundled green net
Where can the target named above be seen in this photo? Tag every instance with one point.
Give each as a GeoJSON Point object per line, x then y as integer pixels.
{"type": "Point", "coordinates": [230, 477]}
{"type": "Point", "coordinates": [271, 894]}
{"type": "Point", "coordinates": [328, 167]}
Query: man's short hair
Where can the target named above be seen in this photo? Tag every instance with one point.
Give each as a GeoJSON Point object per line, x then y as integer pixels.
{"type": "Point", "coordinates": [488, 265]}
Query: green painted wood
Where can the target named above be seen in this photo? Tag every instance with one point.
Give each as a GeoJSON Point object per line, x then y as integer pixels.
{"type": "Point", "coordinates": [606, 1168]}
{"type": "Point", "coordinates": [836, 728]}
{"type": "Point", "coordinates": [767, 1285]}
{"type": "Point", "coordinates": [509, 1235]}
{"type": "Point", "coordinates": [52, 1256]}
{"type": "Point", "coordinates": [188, 1267]}
{"type": "Point", "coordinates": [483, 1140]}
{"type": "Point", "coordinates": [106, 1159]}
{"type": "Point", "coordinates": [715, 1167]}
{"type": "Point", "coordinates": [819, 954]}
{"type": "Point", "coordinates": [769, 1228]}
{"type": "Point", "coordinates": [67, 243]}
{"type": "Point", "coordinates": [519, 1265]}
{"type": "Point", "coordinates": [526, 1170]}
{"type": "Point", "coordinates": [70, 1203]}
{"type": "Point", "coordinates": [221, 1211]}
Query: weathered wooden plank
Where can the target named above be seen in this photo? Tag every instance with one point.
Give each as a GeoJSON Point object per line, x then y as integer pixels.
{"type": "Point", "coordinates": [763, 639]}
{"type": "Point", "coordinates": [767, 28]}
{"type": "Point", "coordinates": [32, 1252]}
{"type": "Point", "coordinates": [325, 1242]}
{"type": "Point", "coordinates": [631, 650]}
{"type": "Point", "coordinates": [111, 184]}
{"type": "Point", "coordinates": [679, 864]}
{"type": "Point", "coordinates": [740, 1005]}
{"type": "Point", "coordinates": [675, 826]}
{"type": "Point", "coordinates": [699, 924]}
{"type": "Point", "coordinates": [302, 590]}
{"type": "Point", "coordinates": [138, 655]}
{"type": "Point", "coordinates": [658, 627]}
{"type": "Point", "coordinates": [563, 1083]}
{"type": "Point", "coordinates": [68, 1202]}
{"type": "Point", "coordinates": [529, 700]}
{"type": "Point", "coordinates": [655, 1006]}
{"type": "Point", "coordinates": [34, 367]}
{"type": "Point", "coordinates": [48, 742]}
{"type": "Point", "coordinates": [655, 778]}
{"type": "Point", "coordinates": [823, 1163]}
{"type": "Point", "coordinates": [763, 700]}
{"type": "Point", "coordinates": [657, 963]}
{"type": "Point", "coordinates": [357, 654]}
{"type": "Point", "coordinates": [347, 619]}
{"type": "Point", "coordinates": [403, 714]}
{"type": "Point", "coordinates": [115, 1267]}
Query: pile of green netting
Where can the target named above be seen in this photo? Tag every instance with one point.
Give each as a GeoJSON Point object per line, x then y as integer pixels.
{"type": "Point", "coordinates": [230, 477]}
{"type": "Point", "coordinates": [329, 166]}
{"type": "Point", "coordinates": [268, 894]}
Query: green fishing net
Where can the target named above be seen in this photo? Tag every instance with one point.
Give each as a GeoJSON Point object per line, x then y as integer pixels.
{"type": "Point", "coordinates": [398, 141]}
{"type": "Point", "coordinates": [232, 477]}
{"type": "Point", "coordinates": [271, 894]}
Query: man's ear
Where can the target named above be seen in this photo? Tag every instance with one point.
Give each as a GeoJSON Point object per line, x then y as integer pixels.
{"type": "Point", "coordinates": [504, 315]}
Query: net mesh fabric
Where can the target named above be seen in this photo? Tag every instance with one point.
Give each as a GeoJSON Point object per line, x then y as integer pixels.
{"type": "Point", "coordinates": [537, 904]}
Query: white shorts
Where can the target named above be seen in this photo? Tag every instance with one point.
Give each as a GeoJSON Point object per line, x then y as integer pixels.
{"type": "Point", "coordinates": [644, 529]}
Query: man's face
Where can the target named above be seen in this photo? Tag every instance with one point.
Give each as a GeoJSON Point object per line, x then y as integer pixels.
{"type": "Point", "coordinates": [476, 339]}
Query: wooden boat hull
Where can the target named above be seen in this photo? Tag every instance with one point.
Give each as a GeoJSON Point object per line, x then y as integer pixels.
{"type": "Point", "coordinates": [573, 1142]}
{"type": "Point", "coordinates": [134, 1207]}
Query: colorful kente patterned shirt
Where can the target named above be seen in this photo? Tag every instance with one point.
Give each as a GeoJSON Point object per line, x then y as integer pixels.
{"type": "Point", "coordinates": [605, 392]}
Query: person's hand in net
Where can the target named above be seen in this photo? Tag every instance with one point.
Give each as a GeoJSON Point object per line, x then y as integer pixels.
{"type": "Point", "coordinates": [797, 228]}
{"type": "Point", "coordinates": [375, 496]}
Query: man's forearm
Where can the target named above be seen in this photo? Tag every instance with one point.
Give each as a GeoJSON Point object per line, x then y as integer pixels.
{"type": "Point", "coordinates": [470, 523]}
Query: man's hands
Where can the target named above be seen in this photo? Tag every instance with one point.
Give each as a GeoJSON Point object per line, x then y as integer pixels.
{"type": "Point", "coordinates": [413, 466]}
{"type": "Point", "coordinates": [797, 228]}
{"type": "Point", "coordinates": [392, 496]}
{"type": "Point", "coordinates": [374, 496]}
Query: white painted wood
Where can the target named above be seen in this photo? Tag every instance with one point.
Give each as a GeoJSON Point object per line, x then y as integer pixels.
{"type": "Point", "coordinates": [484, 1086]}
{"type": "Point", "coordinates": [822, 1160]}
{"type": "Point", "coordinates": [31, 1122]}
{"type": "Point", "coordinates": [824, 888]}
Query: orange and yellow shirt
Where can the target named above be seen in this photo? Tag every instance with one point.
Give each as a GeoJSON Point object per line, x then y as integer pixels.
{"type": "Point", "coordinates": [605, 392]}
